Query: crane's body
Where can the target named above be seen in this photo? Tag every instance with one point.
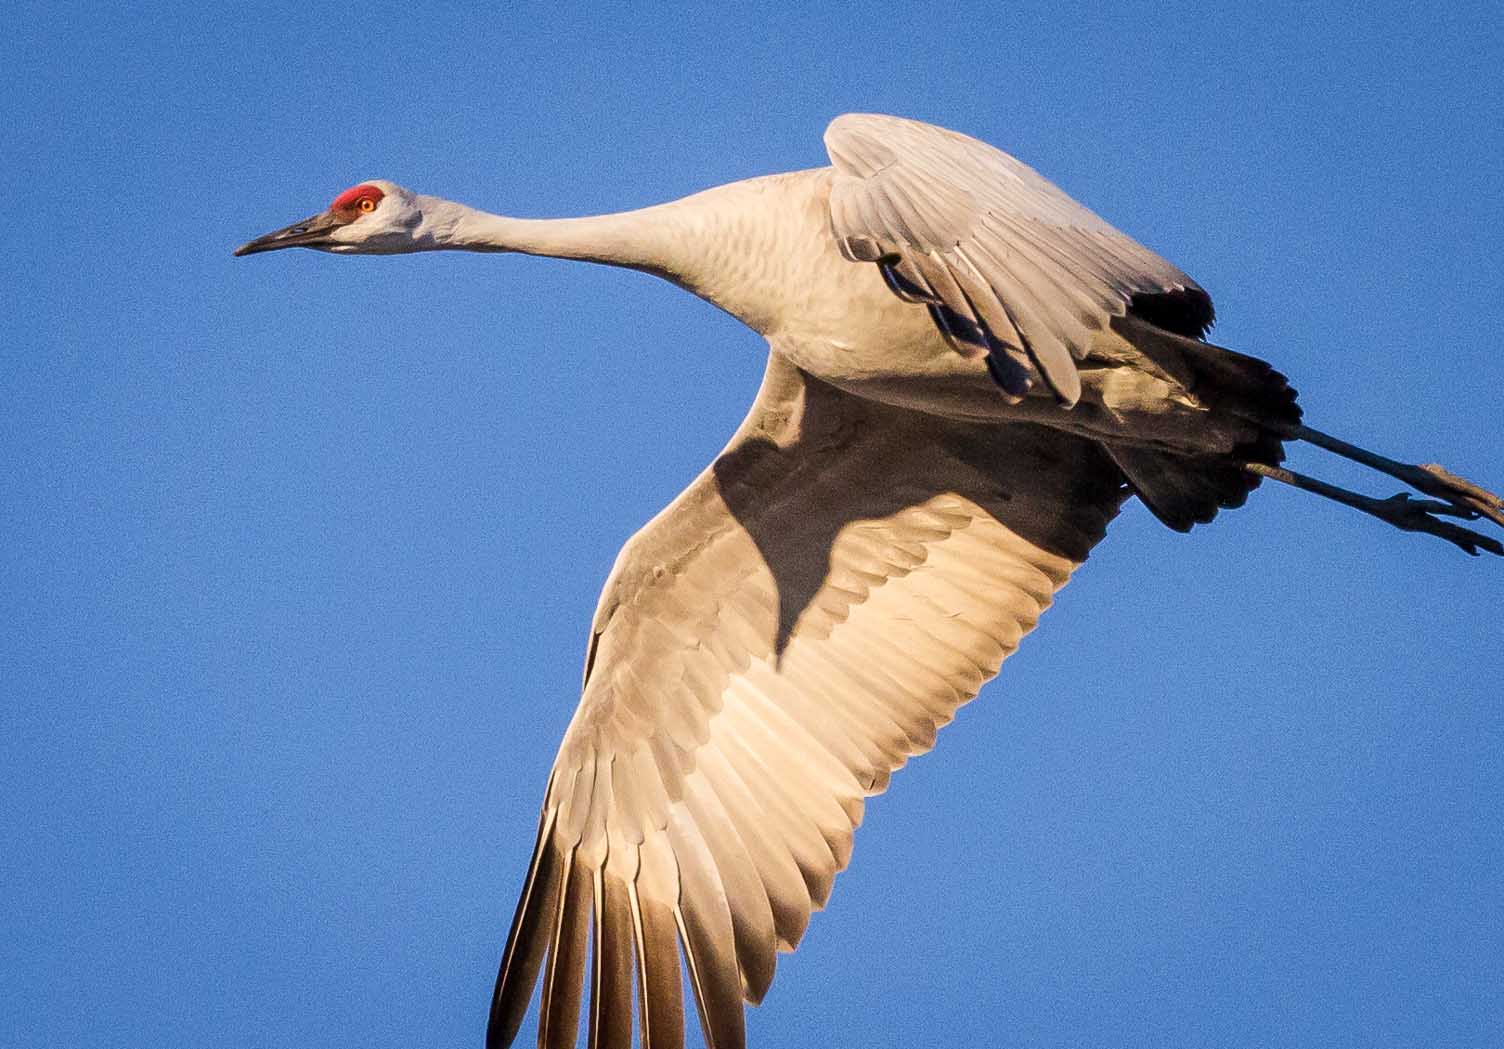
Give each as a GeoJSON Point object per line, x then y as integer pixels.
{"type": "Point", "coordinates": [968, 373]}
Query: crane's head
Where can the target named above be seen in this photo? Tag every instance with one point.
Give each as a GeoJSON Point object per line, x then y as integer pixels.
{"type": "Point", "coordinates": [372, 218]}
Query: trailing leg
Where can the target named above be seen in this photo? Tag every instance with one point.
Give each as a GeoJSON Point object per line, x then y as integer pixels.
{"type": "Point", "coordinates": [1430, 478]}
{"type": "Point", "coordinates": [1402, 511]}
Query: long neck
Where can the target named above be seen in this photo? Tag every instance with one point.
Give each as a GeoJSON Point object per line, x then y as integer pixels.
{"type": "Point", "coordinates": [642, 239]}
{"type": "Point", "coordinates": [754, 248]}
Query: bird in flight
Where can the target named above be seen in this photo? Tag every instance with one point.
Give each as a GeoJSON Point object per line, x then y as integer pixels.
{"type": "Point", "coordinates": [968, 374]}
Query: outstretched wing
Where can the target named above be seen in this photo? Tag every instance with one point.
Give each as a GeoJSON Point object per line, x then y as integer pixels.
{"type": "Point", "coordinates": [768, 650]}
{"type": "Point", "coordinates": [1008, 264]}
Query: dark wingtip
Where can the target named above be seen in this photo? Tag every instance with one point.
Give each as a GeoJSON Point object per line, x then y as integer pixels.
{"type": "Point", "coordinates": [1183, 311]}
{"type": "Point", "coordinates": [526, 943]}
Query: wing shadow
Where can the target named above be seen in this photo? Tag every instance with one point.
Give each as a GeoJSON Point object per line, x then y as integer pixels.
{"type": "Point", "coordinates": [825, 459]}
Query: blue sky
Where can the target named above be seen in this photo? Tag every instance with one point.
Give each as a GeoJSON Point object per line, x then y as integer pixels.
{"type": "Point", "coordinates": [299, 552]}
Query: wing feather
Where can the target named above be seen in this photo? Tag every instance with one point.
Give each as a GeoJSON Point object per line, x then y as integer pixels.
{"type": "Point", "coordinates": [564, 978]}
{"type": "Point", "coordinates": [787, 895]}
{"type": "Point", "coordinates": [754, 933]}
{"type": "Point", "coordinates": [768, 651]}
{"type": "Point", "coordinates": [1006, 260]}
{"type": "Point", "coordinates": [707, 935]}
{"type": "Point", "coordinates": [660, 994]}
{"type": "Point", "coordinates": [526, 944]}
{"type": "Point", "coordinates": [611, 965]}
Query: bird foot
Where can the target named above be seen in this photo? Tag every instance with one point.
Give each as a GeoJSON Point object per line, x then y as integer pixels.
{"type": "Point", "coordinates": [1472, 500]}
{"type": "Point", "coordinates": [1420, 515]}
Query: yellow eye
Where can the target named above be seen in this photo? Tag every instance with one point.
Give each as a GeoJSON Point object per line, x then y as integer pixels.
{"type": "Point", "coordinates": [367, 204]}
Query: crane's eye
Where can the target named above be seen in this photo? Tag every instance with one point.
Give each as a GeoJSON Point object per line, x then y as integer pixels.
{"type": "Point", "coordinates": [367, 204]}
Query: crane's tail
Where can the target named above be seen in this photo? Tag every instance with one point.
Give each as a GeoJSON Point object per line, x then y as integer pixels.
{"type": "Point", "coordinates": [1252, 407]}
{"type": "Point", "coordinates": [1185, 489]}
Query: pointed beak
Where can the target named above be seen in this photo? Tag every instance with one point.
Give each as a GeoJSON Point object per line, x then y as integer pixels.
{"type": "Point", "coordinates": [310, 233]}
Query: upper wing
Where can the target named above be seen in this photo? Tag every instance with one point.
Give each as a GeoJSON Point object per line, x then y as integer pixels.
{"type": "Point", "coordinates": [767, 651]}
{"type": "Point", "coordinates": [1008, 264]}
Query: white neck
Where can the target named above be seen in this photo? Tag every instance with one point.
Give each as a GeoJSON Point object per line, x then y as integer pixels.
{"type": "Point", "coordinates": [741, 247]}
{"type": "Point", "coordinates": [638, 239]}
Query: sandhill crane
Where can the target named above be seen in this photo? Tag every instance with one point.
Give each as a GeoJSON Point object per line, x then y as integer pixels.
{"type": "Point", "coordinates": [968, 374]}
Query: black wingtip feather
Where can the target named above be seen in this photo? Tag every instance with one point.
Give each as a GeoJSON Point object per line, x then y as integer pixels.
{"type": "Point", "coordinates": [1184, 311]}
{"type": "Point", "coordinates": [523, 957]}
